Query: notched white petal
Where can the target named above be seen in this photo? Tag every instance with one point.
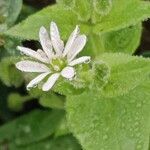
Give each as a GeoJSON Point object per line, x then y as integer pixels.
{"type": "Point", "coordinates": [45, 42]}
{"type": "Point", "coordinates": [31, 53]}
{"type": "Point", "coordinates": [57, 43]}
{"type": "Point", "coordinates": [84, 59]}
{"type": "Point", "coordinates": [43, 54]}
{"type": "Point", "coordinates": [36, 80]}
{"type": "Point", "coordinates": [50, 82]}
{"type": "Point", "coordinates": [31, 66]}
{"type": "Point", "coordinates": [68, 72]}
{"type": "Point", "coordinates": [70, 41]}
{"type": "Point", "coordinates": [76, 47]}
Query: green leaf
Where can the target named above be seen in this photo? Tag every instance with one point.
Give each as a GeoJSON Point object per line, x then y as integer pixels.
{"type": "Point", "coordinates": [29, 29]}
{"type": "Point", "coordinates": [116, 117]}
{"type": "Point", "coordinates": [10, 46]}
{"type": "Point", "coordinates": [102, 7]}
{"type": "Point", "coordinates": [16, 101]}
{"type": "Point", "coordinates": [32, 127]}
{"type": "Point", "coordinates": [52, 101]}
{"type": "Point", "coordinates": [80, 7]}
{"type": "Point", "coordinates": [65, 87]}
{"type": "Point", "coordinates": [61, 143]}
{"type": "Point", "coordinates": [62, 128]}
{"type": "Point", "coordinates": [101, 73]}
{"type": "Point", "coordinates": [8, 72]}
{"type": "Point", "coordinates": [9, 11]}
{"type": "Point", "coordinates": [125, 40]}
{"type": "Point", "coordinates": [127, 72]}
{"type": "Point", "coordinates": [117, 123]}
{"type": "Point", "coordinates": [123, 14]}
{"type": "Point", "coordinates": [66, 3]}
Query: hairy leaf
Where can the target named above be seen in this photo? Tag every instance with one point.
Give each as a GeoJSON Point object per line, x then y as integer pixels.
{"type": "Point", "coordinates": [127, 72]}
{"type": "Point", "coordinates": [102, 7]}
{"type": "Point", "coordinates": [123, 15]}
{"type": "Point", "coordinates": [80, 7]}
{"type": "Point", "coordinates": [116, 117]}
{"type": "Point", "coordinates": [125, 40]}
{"type": "Point", "coordinates": [29, 29]}
{"type": "Point", "coordinates": [117, 123]}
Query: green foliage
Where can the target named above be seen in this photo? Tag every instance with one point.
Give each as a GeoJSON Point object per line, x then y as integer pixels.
{"type": "Point", "coordinates": [63, 128]}
{"type": "Point", "coordinates": [102, 7]}
{"type": "Point", "coordinates": [101, 73]}
{"type": "Point", "coordinates": [116, 123]}
{"type": "Point", "coordinates": [16, 101]}
{"type": "Point", "coordinates": [116, 20]}
{"type": "Point", "coordinates": [8, 72]}
{"type": "Point", "coordinates": [9, 13]}
{"type": "Point", "coordinates": [29, 28]}
{"type": "Point", "coordinates": [125, 40]}
{"type": "Point", "coordinates": [106, 106]}
{"type": "Point", "coordinates": [123, 14]}
{"type": "Point", "coordinates": [119, 17]}
{"type": "Point", "coordinates": [64, 142]}
{"type": "Point", "coordinates": [126, 73]}
{"type": "Point", "coordinates": [117, 117]}
{"type": "Point", "coordinates": [52, 101]}
{"type": "Point", "coordinates": [32, 127]}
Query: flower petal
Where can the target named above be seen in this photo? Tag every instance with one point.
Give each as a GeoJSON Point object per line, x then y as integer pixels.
{"type": "Point", "coordinates": [36, 80]}
{"type": "Point", "coordinates": [68, 72]}
{"type": "Point", "coordinates": [55, 38]}
{"type": "Point", "coordinates": [45, 42]}
{"type": "Point", "coordinates": [43, 54]}
{"type": "Point", "coordinates": [76, 47]}
{"type": "Point", "coordinates": [31, 66]}
{"type": "Point", "coordinates": [70, 41]}
{"type": "Point", "coordinates": [50, 82]}
{"type": "Point", "coordinates": [84, 59]}
{"type": "Point", "coordinates": [32, 53]}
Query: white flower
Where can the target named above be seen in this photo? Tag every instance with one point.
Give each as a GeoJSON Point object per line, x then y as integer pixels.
{"type": "Point", "coordinates": [55, 59]}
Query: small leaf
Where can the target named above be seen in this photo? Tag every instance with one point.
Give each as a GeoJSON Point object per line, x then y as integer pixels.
{"type": "Point", "coordinates": [101, 73]}
{"type": "Point", "coordinates": [102, 7]}
{"type": "Point", "coordinates": [79, 7]}
{"type": "Point", "coordinates": [83, 9]}
{"type": "Point", "coordinates": [52, 101]}
{"type": "Point", "coordinates": [16, 101]}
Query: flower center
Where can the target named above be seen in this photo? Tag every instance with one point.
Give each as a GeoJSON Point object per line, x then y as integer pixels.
{"type": "Point", "coordinates": [57, 64]}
